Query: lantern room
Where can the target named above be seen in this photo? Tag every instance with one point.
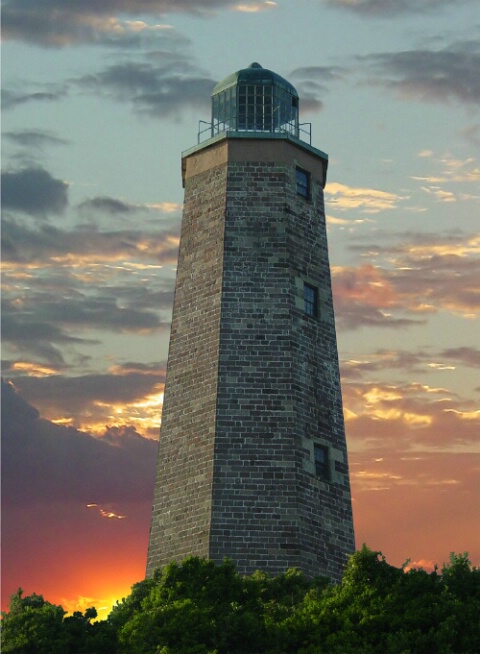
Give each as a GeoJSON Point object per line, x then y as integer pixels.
{"type": "Point", "coordinates": [255, 99]}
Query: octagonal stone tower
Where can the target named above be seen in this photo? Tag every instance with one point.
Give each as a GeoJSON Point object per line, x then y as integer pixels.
{"type": "Point", "coordinates": [252, 460]}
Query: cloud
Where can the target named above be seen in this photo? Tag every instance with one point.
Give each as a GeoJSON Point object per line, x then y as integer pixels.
{"type": "Point", "coordinates": [34, 139]}
{"type": "Point", "coordinates": [128, 394]}
{"type": "Point", "coordinates": [452, 171]}
{"type": "Point", "coordinates": [91, 281]}
{"type": "Point", "coordinates": [410, 417]}
{"type": "Point", "coordinates": [418, 275]}
{"type": "Point", "coordinates": [34, 191]}
{"type": "Point", "coordinates": [312, 83]}
{"type": "Point", "coordinates": [45, 463]}
{"type": "Point", "coordinates": [388, 8]}
{"type": "Point", "coordinates": [413, 460]}
{"type": "Point", "coordinates": [428, 75]}
{"type": "Point", "coordinates": [467, 356]}
{"type": "Point", "coordinates": [81, 245]}
{"type": "Point", "coordinates": [11, 99]}
{"type": "Point", "coordinates": [50, 473]}
{"type": "Point", "coordinates": [163, 79]}
{"type": "Point", "coordinates": [158, 86]}
{"type": "Point", "coordinates": [107, 205]}
{"type": "Point", "coordinates": [381, 360]}
{"type": "Point", "coordinates": [36, 336]}
{"type": "Point", "coordinates": [254, 7]}
{"type": "Point", "coordinates": [102, 312]}
{"type": "Point", "coordinates": [44, 321]}
{"type": "Point", "coordinates": [58, 395]}
{"type": "Point", "coordinates": [29, 368]}
{"type": "Point", "coordinates": [364, 296]}
{"type": "Point", "coordinates": [59, 23]}
{"type": "Point", "coordinates": [367, 200]}
{"type": "Point", "coordinates": [411, 362]}
{"type": "Point", "coordinates": [105, 512]}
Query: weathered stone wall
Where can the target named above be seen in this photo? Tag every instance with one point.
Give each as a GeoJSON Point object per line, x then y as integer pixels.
{"type": "Point", "coordinates": [254, 517]}
{"type": "Point", "coordinates": [279, 384]}
{"type": "Point", "coordinates": [324, 506]}
{"type": "Point", "coordinates": [182, 501]}
{"type": "Point", "coordinates": [252, 381]}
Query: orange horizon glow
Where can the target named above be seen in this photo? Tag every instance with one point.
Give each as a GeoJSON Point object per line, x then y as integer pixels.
{"type": "Point", "coordinates": [412, 491]}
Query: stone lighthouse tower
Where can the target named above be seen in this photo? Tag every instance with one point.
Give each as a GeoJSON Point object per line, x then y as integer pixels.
{"type": "Point", "coordinates": [252, 461]}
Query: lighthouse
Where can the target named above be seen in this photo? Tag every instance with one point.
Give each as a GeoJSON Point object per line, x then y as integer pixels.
{"type": "Point", "coordinates": [252, 459]}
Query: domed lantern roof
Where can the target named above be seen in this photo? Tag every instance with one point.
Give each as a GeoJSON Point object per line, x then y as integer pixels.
{"type": "Point", "coordinates": [255, 99]}
{"type": "Point", "coordinates": [255, 74]}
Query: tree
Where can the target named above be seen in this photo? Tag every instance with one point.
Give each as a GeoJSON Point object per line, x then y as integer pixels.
{"type": "Point", "coordinates": [199, 607]}
{"type": "Point", "coordinates": [196, 607]}
{"type": "Point", "coordinates": [32, 626]}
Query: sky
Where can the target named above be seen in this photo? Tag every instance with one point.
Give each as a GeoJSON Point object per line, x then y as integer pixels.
{"type": "Point", "coordinates": [99, 100]}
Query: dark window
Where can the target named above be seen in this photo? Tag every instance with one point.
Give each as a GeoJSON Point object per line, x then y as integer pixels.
{"type": "Point", "coordinates": [310, 300]}
{"type": "Point", "coordinates": [303, 183]}
{"type": "Point", "coordinates": [320, 453]}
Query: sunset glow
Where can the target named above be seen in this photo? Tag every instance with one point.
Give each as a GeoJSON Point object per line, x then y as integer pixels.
{"type": "Point", "coordinates": [99, 101]}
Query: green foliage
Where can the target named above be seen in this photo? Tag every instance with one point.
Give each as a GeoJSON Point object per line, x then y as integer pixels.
{"type": "Point", "coordinates": [126, 609]}
{"type": "Point", "coordinates": [198, 607]}
{"type": "Point", "coordinates": [34, 626]}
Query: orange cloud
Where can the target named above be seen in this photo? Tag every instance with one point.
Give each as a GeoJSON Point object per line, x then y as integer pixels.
{"type": "Point", "coordinates": [106, 513]}
{"type": "Point", "coordinates": [255, 7]}
{"type": "Point", "coordinates": [368, 200]}
{"type": "Point", "coordinates": [417, 417]}
{"type": "Point", "coordinates": [366, 283]}
{"type": "Point", "coordinates": [426, 276]}
{"type": "Point", "coordinates": [128, 395]}
{"type": "Point", "coordinates": [34, 369]}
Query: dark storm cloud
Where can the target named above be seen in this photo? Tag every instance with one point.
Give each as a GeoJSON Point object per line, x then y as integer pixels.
{"type": "Point", "coordinates": [427, 75]}
{"type": "Point", "coordinates": [34, 191]}
{"type": "Point", "coordinates": [46, 463]}
{"type": "Point", "coordinates": [159, 86]}
{"type": "Point", "coordinates": [59, 23]}
{"type": "Point", "coordinates": [387, 8]}
{"type": "Point", "coordinates": [34, 139]}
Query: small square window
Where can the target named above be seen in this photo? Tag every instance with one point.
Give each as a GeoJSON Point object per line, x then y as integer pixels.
{"type": "Point", "coordinates": [303, 183]}
{"type": "Point", "coordinates": [310, 300]}
{"type": "Point", "coordinates": [320, 453]}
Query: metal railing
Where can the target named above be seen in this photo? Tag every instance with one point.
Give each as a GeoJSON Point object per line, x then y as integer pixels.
{"type": "Point", "coordinates": [302, 131]}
